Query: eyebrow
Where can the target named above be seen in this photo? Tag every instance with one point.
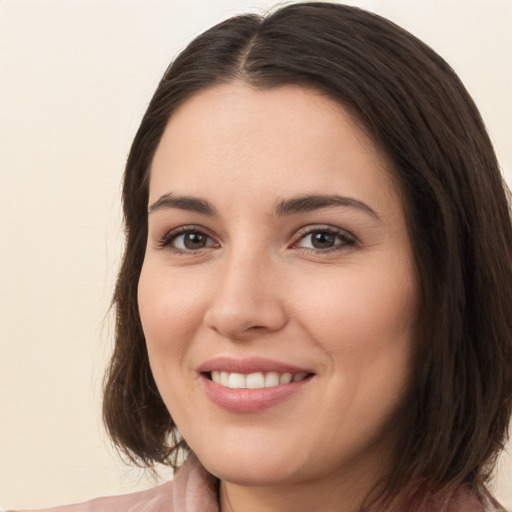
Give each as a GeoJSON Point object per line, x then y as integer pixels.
{"type": "Point", "coordinates": [299, 204]}
{"type": "Point", "coordinates": [307, 203]}
{"type": "Point", "coordinates": [187, 203]}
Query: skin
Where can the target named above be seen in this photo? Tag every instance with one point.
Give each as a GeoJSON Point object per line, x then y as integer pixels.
{"type": "Point", "coordinates": [259, 287]}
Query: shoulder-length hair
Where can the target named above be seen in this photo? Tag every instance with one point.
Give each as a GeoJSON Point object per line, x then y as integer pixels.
{"type": "Point", "coordinates": [417, 111]}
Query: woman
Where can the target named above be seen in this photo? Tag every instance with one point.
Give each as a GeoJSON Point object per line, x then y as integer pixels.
{"type": "Point", "coordinates": [314, 306]}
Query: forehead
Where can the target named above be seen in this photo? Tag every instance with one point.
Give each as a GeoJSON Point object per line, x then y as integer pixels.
{"type": "Point", "coordinates": [283, 141]}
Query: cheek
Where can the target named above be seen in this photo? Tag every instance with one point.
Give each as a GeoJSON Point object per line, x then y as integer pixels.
{"type": "Point", "coordinates": [365, 321]}
{"type": "Point", "coordinates": [170, 314]}
{"type": "Point", "coordinates": [356, 304]}
{"type": "Point", "coordinates": [169, 305]}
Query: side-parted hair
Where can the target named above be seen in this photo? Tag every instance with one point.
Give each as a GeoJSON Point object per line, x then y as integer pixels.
{"type": "Point", "coordinates": [414, 107]}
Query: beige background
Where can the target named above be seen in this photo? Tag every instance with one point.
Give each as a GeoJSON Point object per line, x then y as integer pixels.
{"type": "Point", "coordinates": [75, 77]}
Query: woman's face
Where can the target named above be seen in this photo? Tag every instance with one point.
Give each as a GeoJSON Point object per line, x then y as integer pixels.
{"type": "Point", "coordinates": [277, 250]}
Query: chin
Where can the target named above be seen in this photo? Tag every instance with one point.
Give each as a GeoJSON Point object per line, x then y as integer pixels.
{"type": "Point", "coordinates": [252, 473]}
{"type": "Point", "coordinates": [258, 469]}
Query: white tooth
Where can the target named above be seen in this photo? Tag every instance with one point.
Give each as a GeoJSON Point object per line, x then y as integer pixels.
{"type": "Point", "coordinates": [285, 378]}
{"type": "Point", "coordinates": [271, 379]}
{"type": "Point", "coordinates": [236, 381]}
{"type": "Point", "coordinates": [224, 378]}
{"type": "Point", "coordinates": [216, 376]}
{"type": "Point", "coordinates": [255, 380]}
{"type": "Point", "coordinates": [299, 376]}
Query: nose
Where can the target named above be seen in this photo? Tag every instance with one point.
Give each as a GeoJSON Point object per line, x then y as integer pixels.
{"type": "Point", "coordinates": [247, 301]}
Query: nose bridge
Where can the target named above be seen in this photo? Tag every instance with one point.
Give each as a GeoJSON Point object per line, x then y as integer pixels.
{"type": "Point", "coordinates": [247, 297]}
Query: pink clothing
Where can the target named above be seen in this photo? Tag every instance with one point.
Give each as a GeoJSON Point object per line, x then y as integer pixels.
{"type": "Point", "coordinates": [194, 490]}
{"type": "Point", "coordinates": [191, 490]}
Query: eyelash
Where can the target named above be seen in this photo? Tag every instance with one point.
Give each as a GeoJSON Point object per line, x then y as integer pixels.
{"type": "Point", "coordinates": [167, 240]}
{"type": "Point", "coordinates": [346, 239]}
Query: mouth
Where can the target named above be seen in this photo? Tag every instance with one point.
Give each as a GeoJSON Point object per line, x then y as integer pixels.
{"type": "Point", "coordinates": [253, 384]}
{"type": "Point", "coordinates": [256, 380]}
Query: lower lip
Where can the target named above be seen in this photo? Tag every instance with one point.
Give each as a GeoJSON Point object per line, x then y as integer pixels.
{"type": "Point", "coordinates": [250, 400]}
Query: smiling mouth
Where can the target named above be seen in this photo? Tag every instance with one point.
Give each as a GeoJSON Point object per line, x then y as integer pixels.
{"type": "Point", "coordinates": [256, 380]}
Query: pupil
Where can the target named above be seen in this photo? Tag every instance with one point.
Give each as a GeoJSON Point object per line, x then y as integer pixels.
{"type": "Point", "coordinates": [194, 241]}
{"type": "Point", "coordinates": [323, 240]}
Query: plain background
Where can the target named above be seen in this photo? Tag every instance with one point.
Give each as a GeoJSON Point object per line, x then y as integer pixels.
{"type": "Point", "coordinates": [75, 78]}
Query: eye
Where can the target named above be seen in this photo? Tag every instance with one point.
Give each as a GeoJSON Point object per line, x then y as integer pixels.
{"type": "Point", "coordinates": [324, 240]}
{"type": "Point", "coordinates": [187, 240]}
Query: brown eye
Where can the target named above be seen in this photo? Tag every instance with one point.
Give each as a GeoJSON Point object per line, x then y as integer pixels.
{"type": "Point", "coordinates": [187, 241]}
{"type": "Point", "coordinates": [194, 241]}
{"type": "Point", "coordinates": [324, 240]}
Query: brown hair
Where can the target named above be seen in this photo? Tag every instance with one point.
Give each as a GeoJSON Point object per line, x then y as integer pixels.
{"type": "Point", "coordinates": [416, 109]}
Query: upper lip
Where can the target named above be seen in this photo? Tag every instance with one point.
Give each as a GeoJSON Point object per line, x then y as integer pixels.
{"type": "Point", "coordinates": [249, 365]}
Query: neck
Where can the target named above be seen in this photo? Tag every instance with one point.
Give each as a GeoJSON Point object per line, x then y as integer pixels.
{"type": "Point", "coordinates": [329, 494]}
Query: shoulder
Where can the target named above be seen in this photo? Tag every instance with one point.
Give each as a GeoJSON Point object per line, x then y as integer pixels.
{"type": "Point", "coordinates": [462, 499]}
{"type": "Point", "coordinates": [157, 499]}
{"type": "Point", "coordinates": [192, 490]}
{"type": "Point", "coordinates": [467, 500]}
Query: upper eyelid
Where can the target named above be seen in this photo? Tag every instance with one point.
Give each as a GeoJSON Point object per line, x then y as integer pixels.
{"type": "Point", "coordinates": [324, 227]}
{"type": "Point", "coordinates": [188, 228]}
